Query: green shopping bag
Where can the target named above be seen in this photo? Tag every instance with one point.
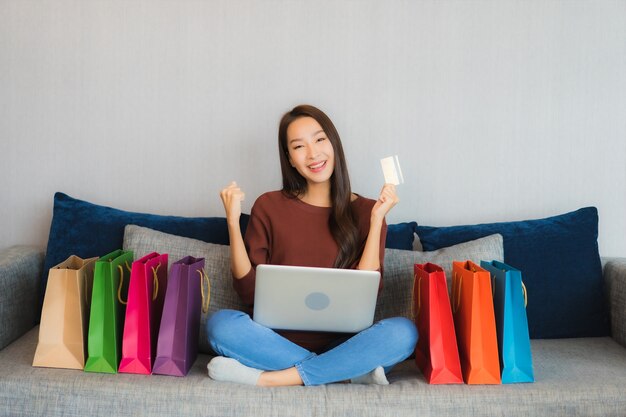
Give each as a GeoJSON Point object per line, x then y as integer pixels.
{"type": "Point", "coordinates": [106, 321]}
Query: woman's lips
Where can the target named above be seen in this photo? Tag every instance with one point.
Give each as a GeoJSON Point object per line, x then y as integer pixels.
{"type": "Point", "coordinates": [318, 166]}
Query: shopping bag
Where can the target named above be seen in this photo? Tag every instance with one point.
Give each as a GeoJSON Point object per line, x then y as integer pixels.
{"type": "Point", "coordinates": [64, 317]}
{"type": "Point", "coordinates": [146, 293]}
{"type": "Point", "coordinates": [436, 353]}
{"type": "Point", "coordinates": [509, 302]}
{"type": "Point", "coordinates": [185, 299]}
{"type": "Point", "coordinates": [110, 284]}
{"type": "Point", "coordinates": [475, 323]}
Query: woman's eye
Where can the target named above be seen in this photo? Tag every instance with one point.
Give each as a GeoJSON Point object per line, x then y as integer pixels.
{"type": "Point", "coordinates": [320, 139]}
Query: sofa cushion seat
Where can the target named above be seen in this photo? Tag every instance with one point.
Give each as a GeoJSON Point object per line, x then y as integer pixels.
{"type": "Point", "coordinates": [574, 377]}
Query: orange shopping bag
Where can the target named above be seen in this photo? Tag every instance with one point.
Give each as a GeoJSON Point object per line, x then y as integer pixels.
{"type": "Point", "coordinates": [436, 353]}
{"type": "Point", "coordinates": [475, 323]}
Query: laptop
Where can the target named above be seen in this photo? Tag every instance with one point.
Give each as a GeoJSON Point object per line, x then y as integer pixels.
{"type": "Point", "coordinates": [315, 299]}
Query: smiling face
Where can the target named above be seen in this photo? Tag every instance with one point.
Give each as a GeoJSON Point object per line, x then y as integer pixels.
{"type": "Point", "coordinates": [310, 151]}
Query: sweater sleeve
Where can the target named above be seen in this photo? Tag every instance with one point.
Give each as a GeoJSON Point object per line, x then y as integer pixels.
{"type": "Point", "coordinates": [257, 241]}
{"type": "Point", "coordinates": [364, 225]}
{"type": "Point", "coordinates": [383, 239]}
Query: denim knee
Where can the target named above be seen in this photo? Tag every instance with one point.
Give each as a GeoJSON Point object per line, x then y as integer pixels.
{"type": "Point", "coordinates": [401, 334]}
{"type": "Point", "coordinates": [221, 326]}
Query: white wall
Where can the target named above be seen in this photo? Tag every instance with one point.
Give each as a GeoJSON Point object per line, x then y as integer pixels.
{"type": "Point", "coordinates": [500, 110]}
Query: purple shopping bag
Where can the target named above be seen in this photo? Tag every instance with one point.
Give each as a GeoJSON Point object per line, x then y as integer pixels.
{"type": "Point", "coordinates": [177, 346]}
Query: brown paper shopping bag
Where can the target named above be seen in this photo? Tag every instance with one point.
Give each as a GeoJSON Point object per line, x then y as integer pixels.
{"type": "Point", "coordinates": [64, 316]}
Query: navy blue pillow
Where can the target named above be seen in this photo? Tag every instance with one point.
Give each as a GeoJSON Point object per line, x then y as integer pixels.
{"type": "Point", "coordinates": [400, 236]}
{"type": "Point", "coordinates": [560, 265]}
{"type": "Point", "coordinates": [87, 230]}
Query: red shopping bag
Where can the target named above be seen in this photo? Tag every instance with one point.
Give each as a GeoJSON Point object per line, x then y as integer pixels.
{"type": "Point", "coordinates": [148, 280]}
{"type": "Point", "coordinates": [475, 323]}
{"type": "Point", "coordinates": [436, 353]}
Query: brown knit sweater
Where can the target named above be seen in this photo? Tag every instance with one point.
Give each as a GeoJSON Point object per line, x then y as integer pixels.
{"type": "Point", "coordinates": [287, 231]}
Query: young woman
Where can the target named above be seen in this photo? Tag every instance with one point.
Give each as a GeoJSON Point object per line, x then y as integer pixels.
{"type": "Point", "coordinates": [315, 220]}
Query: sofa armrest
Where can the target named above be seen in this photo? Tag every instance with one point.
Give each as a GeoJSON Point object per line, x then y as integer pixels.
{"type": "Point", "coordinates": [20, 274]}
{"type": "Point", "coordinates": [615, 279]}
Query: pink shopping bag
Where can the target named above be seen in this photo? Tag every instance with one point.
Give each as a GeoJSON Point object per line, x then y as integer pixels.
{"type": "Point", "coordinates": [148, 280]}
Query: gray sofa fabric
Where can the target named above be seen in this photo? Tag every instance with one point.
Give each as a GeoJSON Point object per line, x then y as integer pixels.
{"type": "Point", "coordinates": [20, 271]}
{"type": "Point", "coordinates": [574, 377]}
{"type": "Point", "coordinates": [615, 279]}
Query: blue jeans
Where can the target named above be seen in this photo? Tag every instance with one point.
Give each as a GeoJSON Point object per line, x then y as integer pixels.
{"type": "Point", "coordinates": [234, 334]}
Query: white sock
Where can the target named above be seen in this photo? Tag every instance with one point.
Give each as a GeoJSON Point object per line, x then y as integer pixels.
{"type": "Point", "coordinates": [377, 376]}
{"type": "Point", "coordinates": [230, 370]}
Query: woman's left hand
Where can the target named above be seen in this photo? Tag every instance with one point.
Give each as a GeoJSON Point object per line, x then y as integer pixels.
{"type": "Point", "coordinates": [387, 199]}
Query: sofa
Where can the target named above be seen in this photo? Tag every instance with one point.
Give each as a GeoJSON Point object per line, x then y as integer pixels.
{"type": "Point", "coordinates": [574, 376]}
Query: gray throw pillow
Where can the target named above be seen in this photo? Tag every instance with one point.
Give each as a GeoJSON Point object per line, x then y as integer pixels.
{"type": "Point", "coordinates": [396, 298]}
{"type": "Point", "coordinates": [143, 241]}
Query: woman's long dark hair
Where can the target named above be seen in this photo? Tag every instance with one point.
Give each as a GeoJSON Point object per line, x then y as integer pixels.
{"type": "Point", "coordinates": [343, 221]}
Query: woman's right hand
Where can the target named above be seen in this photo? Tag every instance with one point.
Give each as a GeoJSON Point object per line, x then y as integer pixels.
{"type": "Point", "coordinates": [232, 196]}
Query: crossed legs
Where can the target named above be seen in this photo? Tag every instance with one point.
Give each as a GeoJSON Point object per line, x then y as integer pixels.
{"type": "Point", "coordinates": [254, 354]}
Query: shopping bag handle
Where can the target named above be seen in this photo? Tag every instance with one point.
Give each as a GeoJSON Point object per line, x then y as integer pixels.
{"type": "Point", "coordinates": [415, 314]}
{"type": "Point", "coordinates": [119, 287]}
{"type": "Point", "coordinates": [523, 290]}
{"type": "Point", "coordinates": [155, 292]}
{"type": "Point", "coordinates": [86, 291]}
{"type": "Point", "coordinates": [492, 280]}
{"type": "Point", "coordinates": [456, 289]}
{"type": "Point", "coordinates": [206, 300]}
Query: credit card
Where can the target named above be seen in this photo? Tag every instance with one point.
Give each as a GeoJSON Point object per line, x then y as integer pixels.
{"type": "Point", "coordinates": [392, 170]}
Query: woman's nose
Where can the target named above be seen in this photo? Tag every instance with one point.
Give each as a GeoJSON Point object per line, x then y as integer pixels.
{"type": "Point", "coordinates": [311, 152]}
